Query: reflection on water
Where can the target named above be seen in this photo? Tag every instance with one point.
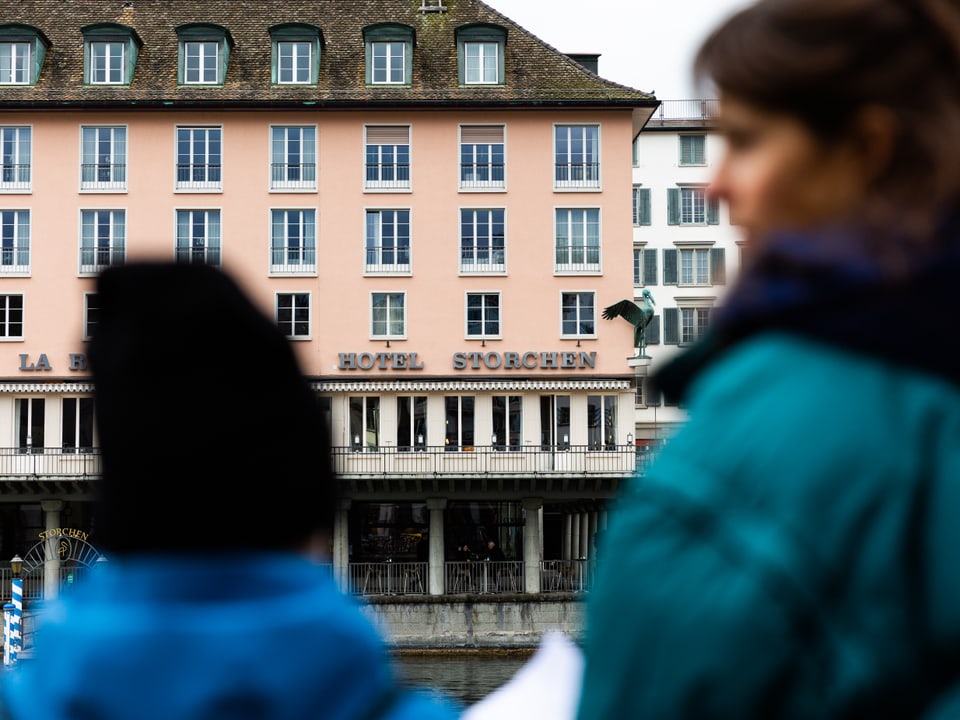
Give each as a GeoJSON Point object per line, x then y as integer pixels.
{"type": "Point", "coordinates": [466, 676]}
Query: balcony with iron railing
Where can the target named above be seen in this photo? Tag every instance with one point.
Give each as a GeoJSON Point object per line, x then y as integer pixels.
{"type": "Point", "coordinates": [382, 176]}
{"type": "Point", "coordinates": [293, 176]}
{"type": "Point", "coordinates": [577, 175]}
{"type": "Point", "coordinates": [693, 113]}
{"type": "Point", "coordinates": [476, 176]}
{"type": "Point", "coordinates": [14, 177]}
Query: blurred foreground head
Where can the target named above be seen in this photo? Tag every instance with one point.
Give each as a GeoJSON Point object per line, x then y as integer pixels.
{"type": "Point", "coordinates": [874, 78]}
{"type": "Point", "coordinates": [212, 438]}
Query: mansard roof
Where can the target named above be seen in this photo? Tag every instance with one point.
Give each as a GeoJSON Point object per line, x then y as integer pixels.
{"type": "Point", "coordinates": [535, 74]}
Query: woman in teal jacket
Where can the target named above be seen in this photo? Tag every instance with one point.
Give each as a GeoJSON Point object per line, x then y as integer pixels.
{"type": "Point", "coordinates": [793, 552]}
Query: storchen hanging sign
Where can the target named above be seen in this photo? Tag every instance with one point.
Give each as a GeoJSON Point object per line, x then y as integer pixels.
{"type": "Point", "coordinates": [510, 360]}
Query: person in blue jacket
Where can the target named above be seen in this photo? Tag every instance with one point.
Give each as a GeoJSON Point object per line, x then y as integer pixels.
{"type": "Point", "coordinates": [215, 505]}
{"type": "Point", "coordinates": [794, 551]}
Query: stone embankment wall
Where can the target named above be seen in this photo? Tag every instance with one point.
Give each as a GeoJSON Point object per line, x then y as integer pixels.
{"type": "Point", "coordinates": [475, 621]}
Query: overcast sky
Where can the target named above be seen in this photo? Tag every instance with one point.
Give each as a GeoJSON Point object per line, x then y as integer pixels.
{"type": "Point", "coordinates": [646, 44]}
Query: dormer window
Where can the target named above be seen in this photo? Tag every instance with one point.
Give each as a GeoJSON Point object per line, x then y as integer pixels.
{"type": "Point", "coordinates": [389, 54]}
{"type": "Point", "coordinates": [296, 54]}
{"type": "Point", "coordinates": [480, 54]}
{"type": "Point", "coordinates": [204, 52]}
{"type": "Point", "coordinates": [110, 53]}
{"type": "Point", "coordinates": [22, 50]}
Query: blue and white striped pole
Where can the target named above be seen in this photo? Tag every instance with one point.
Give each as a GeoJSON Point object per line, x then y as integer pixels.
{"type": "Point", "coordinates": [16, 617]}
{"type": "Point", "coordinates": [7, 613]}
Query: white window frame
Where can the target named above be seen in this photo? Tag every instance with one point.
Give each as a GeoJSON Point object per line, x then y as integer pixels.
{"type": "Point", "coordinates": [482, 315]}
{"type": "Point", "coordinates": [482, 157]}
{"type": "Point", "coordinates": [293, 158]}
{"type": "Point", "coordinates": [576, 153]}
{"type": "Point", "coordinates": [387, 250]}
{"type": "Point", "coordinates": [386, 62]}
{"type": "Point", "coordinates": [11, 317]}
{"type": "Point", "coordinates": [693, 321]}
{"type": "Point", "coordinates": [16, 149]}
{"type": "Point", "coordinates": [477, 70]}
{"type": "Point", "coordinates": [103, 68]}
{"type": "Point", "coordinates": [91, 314]}
{"type": "Point", "coordinates": [299, 65]}
{"type": "Point", "coordinates": [693, 266]}
{"type": "Point", "coordinates": [103, 239]}
{"type": "Point", "coordinates": [204, 247]}
{"type": "Point", "coordinates": [197, 68]}
{"type": "Point", "coordinates": [365, 422]}
{"type": "Point", "coordinates": [461, 433]}
{"type": "Point", "coordinates": [16, 60]}
{"type": "Point", "coordinates": [506, 415]}
{"type": "Point", "coordinates": [103, 158]}
{"type": "Point", "coordinates": [84, 425]}
{"type": "Point", "coordinates": [483, 253]}
{"type": "Point", "coordinates": [15, 242]}
{"type": "Point", "coordinates": [575, 302]}
{"type": "Point", "coordinates": [293, 241]}
{"type": "Point", "coordinates": [575, 252]}
{"type": "Point", "coordinates": [293, 314]}
{"type": "Point", "coordinates": [693, 206]}
{"type": "Point", "coordinates": [603, 434]}
{"type": "Point", "coordinates": [199, 171]}
{"type": "Point", "coordinates": [387, 154]}
{"type": "Point", "coordinates": [388, 309]}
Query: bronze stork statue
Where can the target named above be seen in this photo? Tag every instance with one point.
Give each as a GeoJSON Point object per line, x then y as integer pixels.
{"type": "Point", "coordinates": [638, 315]}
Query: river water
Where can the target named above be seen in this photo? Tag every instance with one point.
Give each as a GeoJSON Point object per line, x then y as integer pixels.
{"type": "Point", "coordinates": [465, 676]}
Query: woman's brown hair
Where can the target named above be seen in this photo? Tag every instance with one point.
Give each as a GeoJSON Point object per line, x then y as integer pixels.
{"type": "Point", "coordinates": [824, 61]}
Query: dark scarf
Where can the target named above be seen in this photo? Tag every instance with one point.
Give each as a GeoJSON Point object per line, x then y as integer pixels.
{"type": "Point", "coordinates": [830, 286]}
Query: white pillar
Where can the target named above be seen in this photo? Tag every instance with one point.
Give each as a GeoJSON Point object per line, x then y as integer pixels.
{"type": "Point", "coordinates": [584, 535]}
{"type": "Point", "coordinates": [531, 545]}
{"type": "Point", "coordinates": [592, 547]}
{"type": "Point", "coordinates": [566, 547]}
{"type": "Point", "coordinates": [341, 545]}
{"type": "Point", "coordinates": [575, 536]}
{"type": "Point", "coordinates": [51, 565]}
{"type": "Point", "coordinates": [435, 583]}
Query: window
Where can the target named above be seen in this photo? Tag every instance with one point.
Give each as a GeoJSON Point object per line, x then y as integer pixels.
{"type": "Point", "coordinates": [296, 54]}
{"type": "Point", "coordinates": [198, 236]}
{"type": "Point", "coordinates": [411, 422]}
{"type": "Point", "coordinates": [601, 422]}
{"type": "Point", "coordinates": [577, 156]}
{"type": "Point", "coordinates": [483, 315]}
{"type": "Point", "coordinates": [14, 242]}
{"type": "Point", "coordinates": [11, 317]}
{"type": "Point", "coordinates": [578, 314]}
{"type": "Point", "coordinates": [15, 159]}
{"type": "Point", "coordinates": [459, 422]}
{"type": "Point", "coordinates": [110, 53]}
{"type": "Point", "coordinates": [644, 266]}
{"type": "Point", "coordinates": [387, 157]}
{"type": "Point", "coordinates": [22, 51]}
{"type": "Point", "coordinates": [555, 422]}
{"type": "Point", "coordinates": [102, 239]}
{"type": "Point", "coordinates": [293, 314]}
{"type": "Point", "coordinates": [204, 52]}
{"type": "Point", "coordinates": [480, 54]}
{"type": "Point", "coordinates": [388, 241]}
{"type": "Point", "coordinates": [389, 49]}
{"type": "Point", "coordinates": [577, 232]}
{"type": "Point", "coordinates": [199, 154]}
{"type": "Point", "coordinates": [641, 205]}
{"type": "Point", "coordinates": [293, 241]}
{"type": "Point", "coordinates": [91, 314]}
{"type": "Point", "coordinates": [481, 157]}
{"type": "Point", "coordinates": [694, 266]}
{"type": "Point", "coordinates": [76, 432]}
{"type": "Point", "coordinates": [482, 247]}
{"type": "Point", "coordinates": [693, 150]}
{"type": "Point", "coordinates": [690, 206]}
{"type": "Point", "coordinates": [365, 423]}
{"type": "Point", "coordinates": [388, 315]}
{"type": "Point", "coordinates": [29, 423]}
{"type": "Point", "coordinates": [685, 324]}
{"type": "Point", "coordinates": [293, 158]}
{"type": "Point", "coordinates": [104, 162]}
{"type": "Point", "coordinates": [507, 422]}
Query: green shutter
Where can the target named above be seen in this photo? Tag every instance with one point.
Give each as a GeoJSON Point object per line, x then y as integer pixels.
{"type": "Point", "coordinates": [718, 266]}
{"type": "Point", "coordinates": [671, 326]}
{"type": "Point", "coordinates": [671, 274]}
{"type": "Point", "coordinates": [643, 209]}
{"type": "Point", "coordinates": [649, 267]}
{"type": "Point", "coordinates": [673, 206]}
{"type": "Point", "coordinates": [713, 211]}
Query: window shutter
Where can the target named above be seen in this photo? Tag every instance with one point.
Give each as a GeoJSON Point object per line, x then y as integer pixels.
{"type": "Point", "coordinates": [479, 134]}
{"type": "Point", "coordinates": [653, 393]}
{"type": "Point", "coordinates": [671, 326]}
{"type": "Point", "coordinates": [718, 266]}
{"type": "Point", "coordinates": [713, 211]}
{"type": "Point", "coordinates": [670, 273]}
{"type": "Point", "coordinates": [673, 206]}
{"type": "Point", "coordinates": [388, 135]}
{"type": "Point", "coordinates": [643, 207]}
{"type": "Point", "coordinates": [649, 267]}
{"type": "Point", "coordinates": [652, 332]}
{"type": "Point", "coordinates": [636, 205]}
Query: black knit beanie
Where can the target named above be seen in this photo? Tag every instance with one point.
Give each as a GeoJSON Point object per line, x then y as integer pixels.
{"type": "Point", "coordinates": [212, 438]}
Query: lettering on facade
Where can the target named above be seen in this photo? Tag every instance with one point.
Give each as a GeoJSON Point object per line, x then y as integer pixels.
{"type": "Point", "coordinates": [380, 361]}
{"type": "Point", "coordinates": [75, 362]}
{"type": "Point", "coordinates": [567, 360]}
{"type": "Point", "coordinates": [64, 532]}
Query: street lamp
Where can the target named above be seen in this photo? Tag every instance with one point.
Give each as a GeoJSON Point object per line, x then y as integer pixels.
{"type": "Point", "coordinates": [629, 438]}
